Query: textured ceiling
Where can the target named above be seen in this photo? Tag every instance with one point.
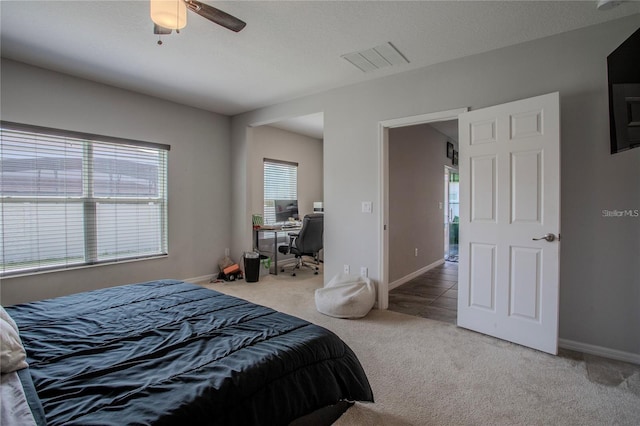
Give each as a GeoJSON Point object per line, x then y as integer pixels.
{"type": "Point", "coordinates": [288, 49]}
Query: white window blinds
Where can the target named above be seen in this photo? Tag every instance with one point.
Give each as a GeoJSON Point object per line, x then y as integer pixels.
{"type": "Point", "coordinates": [280, 183]}
{"type": "Point", "coordinates": [69, 199]}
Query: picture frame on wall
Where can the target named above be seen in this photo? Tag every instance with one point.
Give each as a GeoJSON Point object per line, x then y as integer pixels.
{"type": "Point", "coordinates": [454, 158]}
{"type": "Point", "coordinates": [449, 150]}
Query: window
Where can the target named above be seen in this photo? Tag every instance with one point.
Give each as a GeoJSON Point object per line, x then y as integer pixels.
{"type": "Point", "coordinates": [280, 183]}
{"type": "Point", "coordinates": [70, 199]}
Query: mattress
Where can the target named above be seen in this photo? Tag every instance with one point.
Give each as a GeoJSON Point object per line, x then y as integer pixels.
{"type": "Point", "coordinates": [170, 352]}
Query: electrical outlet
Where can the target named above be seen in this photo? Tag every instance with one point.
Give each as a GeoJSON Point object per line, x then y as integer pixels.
{"type": "Point", "coordinates": [364, 272]}
{"type": "Point", "coordinates": [367, 207]}
{"type": "Point", "coordinates": [416, 253]}
{"type": "Point", "coordinates": [346, 269]}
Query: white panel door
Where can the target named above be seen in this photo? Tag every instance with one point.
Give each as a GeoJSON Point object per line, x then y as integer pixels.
{"type": "Point", "coordinates": [509, 199]}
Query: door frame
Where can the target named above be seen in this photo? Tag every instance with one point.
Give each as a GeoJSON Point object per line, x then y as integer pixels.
{"type": "Point", "coordinates": [383, 146]}
{"type": "Point", "coordinates": [447, 171]}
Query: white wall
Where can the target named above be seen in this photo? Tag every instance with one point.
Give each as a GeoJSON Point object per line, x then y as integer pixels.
{"type": "Point", "coordinates": [600, 272]}
{"type": "Point", "coordinates": [199, 172]}
{"type": "Point", "coordinates": [277, 144]}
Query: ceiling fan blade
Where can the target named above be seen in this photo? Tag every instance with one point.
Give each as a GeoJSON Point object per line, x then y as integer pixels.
{"type": "Point", "coordinates": [215, 15]}
{"type": "Point", "coordinates": [157, 29]}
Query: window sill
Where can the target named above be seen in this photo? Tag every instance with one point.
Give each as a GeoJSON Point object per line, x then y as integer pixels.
{"type": "Point", "coordinates": [75, 268]}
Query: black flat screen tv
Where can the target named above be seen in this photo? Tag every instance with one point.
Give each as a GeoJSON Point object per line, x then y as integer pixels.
{"type": "Point", "coordinates": [623, 69]}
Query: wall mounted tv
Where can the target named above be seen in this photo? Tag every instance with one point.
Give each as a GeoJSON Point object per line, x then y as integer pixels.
{"type": "Point", "coordinates": [623, 68]}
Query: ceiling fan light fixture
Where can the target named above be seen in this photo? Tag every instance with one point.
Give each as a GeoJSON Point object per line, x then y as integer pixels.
{"type": "Point", "coordinates": [170, 14]}
{"type": "Point", "coordinates": [608, 4]}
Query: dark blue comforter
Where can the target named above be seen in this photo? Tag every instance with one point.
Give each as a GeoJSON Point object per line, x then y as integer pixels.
{"type": "Point", "coordinates": [169, 352]}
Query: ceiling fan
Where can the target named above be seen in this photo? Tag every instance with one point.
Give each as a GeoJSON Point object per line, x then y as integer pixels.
{"type": "Point", "coordinates": [168, 15]}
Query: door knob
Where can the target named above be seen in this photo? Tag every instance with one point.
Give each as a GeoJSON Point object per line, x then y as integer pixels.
{"type": "Point", "coordinates": [548, 237]}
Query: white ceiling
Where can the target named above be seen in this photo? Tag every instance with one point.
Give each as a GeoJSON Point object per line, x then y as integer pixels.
{"type": "Point", "coordinates": [311, 125]}
{"type": "Point", "coordinates": [287, 50]}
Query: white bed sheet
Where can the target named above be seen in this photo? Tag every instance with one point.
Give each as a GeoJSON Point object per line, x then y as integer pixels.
{"type": "Point", "coordinates": [14, 408]}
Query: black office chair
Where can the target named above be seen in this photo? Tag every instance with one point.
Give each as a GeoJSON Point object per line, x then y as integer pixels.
{"type": "Point", "coordinates": [307, 242]}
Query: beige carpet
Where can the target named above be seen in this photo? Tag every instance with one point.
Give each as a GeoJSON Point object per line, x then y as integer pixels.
{"type": "Point", "coordinates": [425, 372]}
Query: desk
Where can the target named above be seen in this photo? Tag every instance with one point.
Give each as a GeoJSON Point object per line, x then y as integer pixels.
{"type": "Point", "coordinates": [274, 234]}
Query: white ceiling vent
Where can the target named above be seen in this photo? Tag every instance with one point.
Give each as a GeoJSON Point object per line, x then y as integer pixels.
{"type": "Point", "coordinates": [382, 56]}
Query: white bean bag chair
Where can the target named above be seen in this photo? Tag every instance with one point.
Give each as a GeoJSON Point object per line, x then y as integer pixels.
{"type": "Point", "coordinates": [346, 296]}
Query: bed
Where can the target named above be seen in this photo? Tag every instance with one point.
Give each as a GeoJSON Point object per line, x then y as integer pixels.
{"type": "Point", "coordinates": [169, 352]}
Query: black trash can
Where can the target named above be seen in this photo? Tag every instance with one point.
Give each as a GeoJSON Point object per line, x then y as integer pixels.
{"type": "Point", "coordinates": [251, 266]}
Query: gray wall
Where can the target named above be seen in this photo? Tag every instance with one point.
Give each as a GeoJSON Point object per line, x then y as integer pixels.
{"type": "Point", "coordinates": [278, 144]}
{"type": "Point", "coordinates": [600, 272]}
{"type": "Point", "coordinates": [417, 157]}
{"type": "Point", "coordinates": [199, 172]}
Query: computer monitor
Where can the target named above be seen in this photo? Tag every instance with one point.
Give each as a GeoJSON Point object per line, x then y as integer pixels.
{"type": "Point", "coordinates": [286, 209]}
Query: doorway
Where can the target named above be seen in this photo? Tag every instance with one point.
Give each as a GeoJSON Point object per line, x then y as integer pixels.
{"type": "Point", "coordinates": [451, 213]}
{"type": "Point", "coordinates": [424, 286]}
{"type": "Point", "coordinates": [509, 271]}
{"type": "Point", "coordinates": [384, 127]}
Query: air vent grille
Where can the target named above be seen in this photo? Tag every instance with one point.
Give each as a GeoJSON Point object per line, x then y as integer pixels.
{"type": "Point", "coordinates": [372, 59]}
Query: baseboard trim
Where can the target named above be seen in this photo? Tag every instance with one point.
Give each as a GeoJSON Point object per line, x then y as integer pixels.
{"type": "Point", "coordinates": [599, 351]}
{"type": "Point", "coordinates": [407, 278]}
{"type": "Point", "coordinates": [199, 280]}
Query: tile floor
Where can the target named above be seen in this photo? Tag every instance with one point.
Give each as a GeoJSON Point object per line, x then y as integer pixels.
{"type": "Point", "coordinates": [433, 294]}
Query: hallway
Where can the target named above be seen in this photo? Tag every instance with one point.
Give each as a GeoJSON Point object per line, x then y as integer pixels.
{"type": "Point", "coordinates": [432, 295]}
